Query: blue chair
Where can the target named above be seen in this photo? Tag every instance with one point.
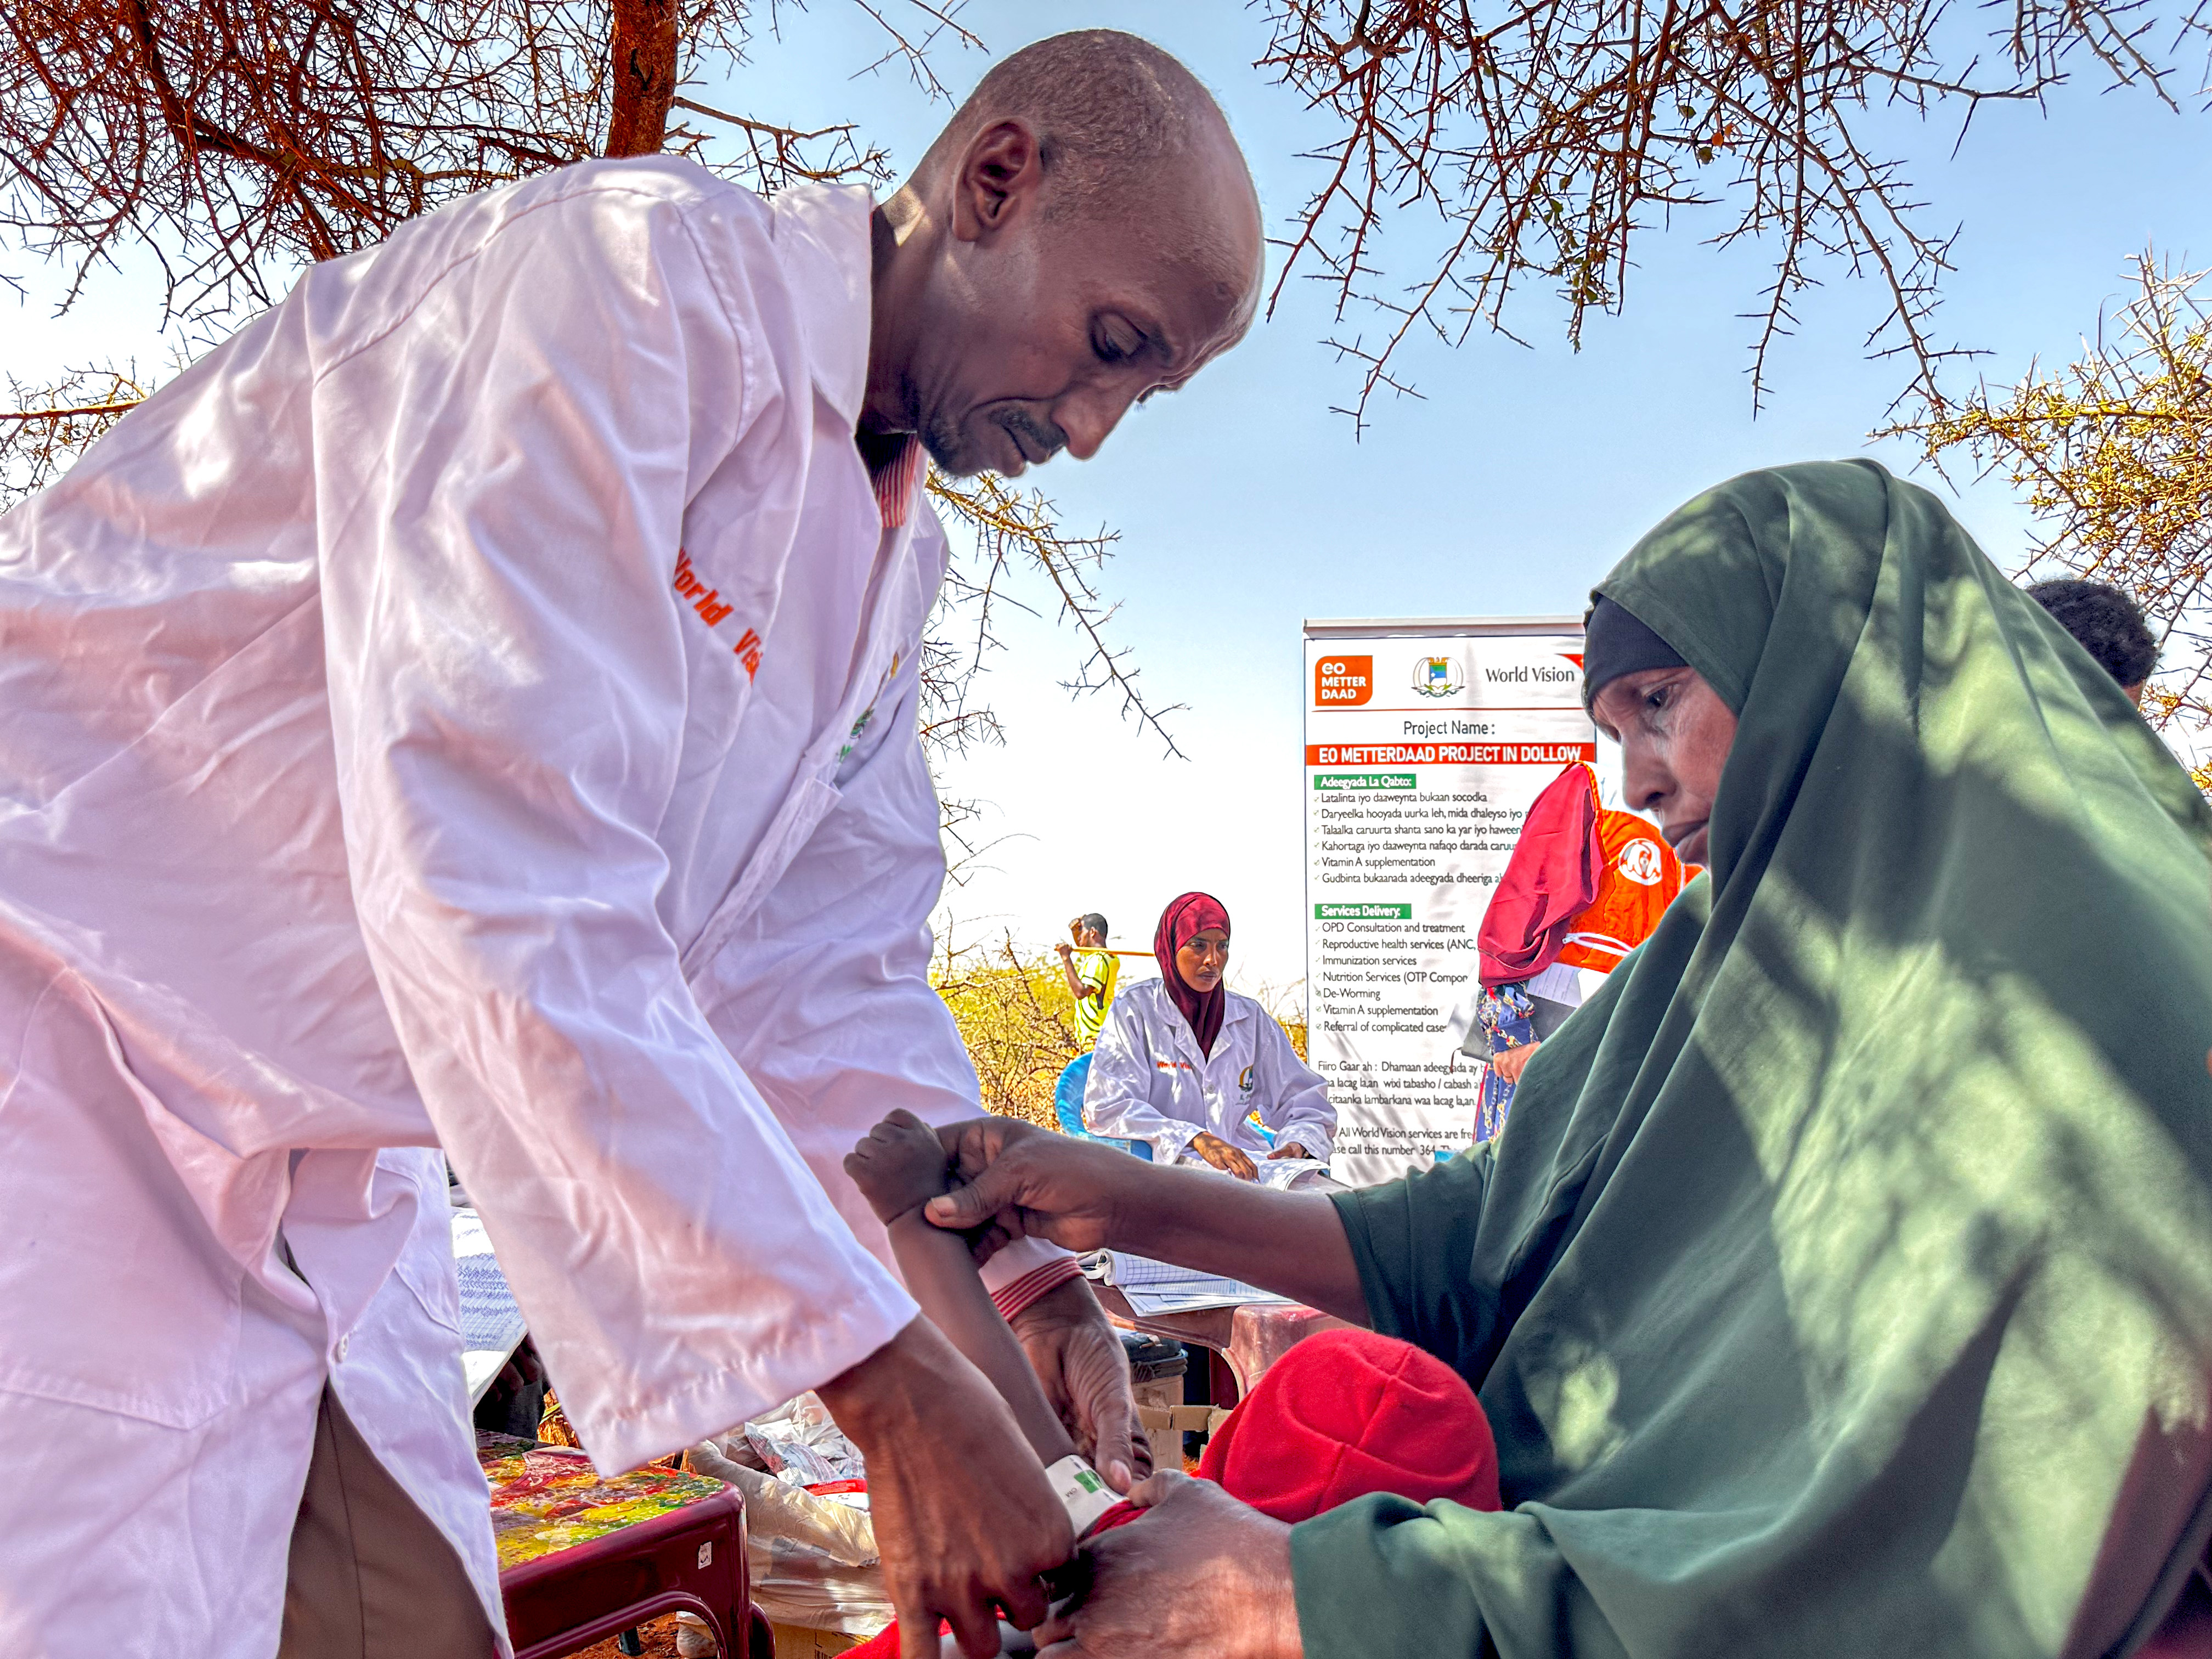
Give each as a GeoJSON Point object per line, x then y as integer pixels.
{"type": "Point", "coordinates": [1068, 1107]}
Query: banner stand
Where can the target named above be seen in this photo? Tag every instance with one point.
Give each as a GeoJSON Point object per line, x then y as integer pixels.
{"type": "Point", "coordinates": [1426, 739]}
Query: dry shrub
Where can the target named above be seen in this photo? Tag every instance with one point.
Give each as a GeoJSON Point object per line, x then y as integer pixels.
{"type": "Point", "coordinates": [1018, 1021]}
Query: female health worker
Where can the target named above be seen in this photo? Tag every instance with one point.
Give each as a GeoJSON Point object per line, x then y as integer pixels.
{"type": "Point", "coordinates": [1185, 1064]}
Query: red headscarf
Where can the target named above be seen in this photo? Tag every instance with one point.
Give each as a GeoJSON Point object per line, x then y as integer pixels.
{"type": "Point", "coordinates": [1182, 921]}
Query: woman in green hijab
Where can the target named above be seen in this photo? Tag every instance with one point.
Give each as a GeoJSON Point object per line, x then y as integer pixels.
{"type": "Point", "coordinates": [1843, 1281]}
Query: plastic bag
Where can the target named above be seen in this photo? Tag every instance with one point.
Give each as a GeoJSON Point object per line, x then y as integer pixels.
{"type": "Point", "coordinates": [802, 1447]}
{"type": "Point", "coordinates": [813, 1559]}
{"type": "Point", "coordinates": [775, 1509]}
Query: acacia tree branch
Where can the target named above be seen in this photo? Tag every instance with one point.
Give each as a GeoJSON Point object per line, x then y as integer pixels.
{"type": "Point", "coordinates": [47, 426]}
{"type": "Point", "coordinates": [81, 411]}
{"type": "Point", "coordinates": [1538, 148]}
{"type": "Point", "coordinates": [1011, 528]}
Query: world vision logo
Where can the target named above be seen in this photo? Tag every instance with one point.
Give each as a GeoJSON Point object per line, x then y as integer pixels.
{"type": "Point", "coordinates": [708, 603]}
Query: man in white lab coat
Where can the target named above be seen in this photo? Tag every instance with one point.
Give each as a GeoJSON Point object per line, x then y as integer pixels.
{"type": "Point", "coordinates": [472, 709]}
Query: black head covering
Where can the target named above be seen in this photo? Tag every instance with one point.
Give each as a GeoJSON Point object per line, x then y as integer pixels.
{"type": "Point", "coordinates": [1615, 642]}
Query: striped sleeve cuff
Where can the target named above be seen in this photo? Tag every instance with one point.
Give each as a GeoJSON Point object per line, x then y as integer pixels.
{"type": "Point", "coordinates": [1011, 1297]}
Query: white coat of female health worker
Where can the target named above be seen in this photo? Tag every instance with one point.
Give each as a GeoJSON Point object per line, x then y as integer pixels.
{"type": "Point", "coordinates": [1184, 1063]}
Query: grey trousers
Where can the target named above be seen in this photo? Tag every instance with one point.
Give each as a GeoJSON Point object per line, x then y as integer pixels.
{"type": "Point", "coordinates": [370, 1577]}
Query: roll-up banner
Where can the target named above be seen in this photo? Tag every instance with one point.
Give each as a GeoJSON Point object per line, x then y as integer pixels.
{"type": "Point", "coordinates": [1426, 741]}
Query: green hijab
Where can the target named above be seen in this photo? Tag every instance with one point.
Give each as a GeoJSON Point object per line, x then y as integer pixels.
{"type": "Point", "coordinates": [1843, 1281]}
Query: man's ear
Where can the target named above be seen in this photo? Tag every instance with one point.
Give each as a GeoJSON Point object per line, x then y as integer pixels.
{"type": "Point", "coordinates": [1000, 177]}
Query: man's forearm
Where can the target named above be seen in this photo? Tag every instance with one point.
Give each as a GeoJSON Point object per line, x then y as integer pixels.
{"type": "Point", "coordinates": [1290, 1244]}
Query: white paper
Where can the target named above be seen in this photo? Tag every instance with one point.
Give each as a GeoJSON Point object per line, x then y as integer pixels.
{"type": "Point", "coordinates": [1286, 1174]}
{"type": "Point", "coordinates": [492, 1326]}
{"type": "Point", "coordinates": [1160, 1287]}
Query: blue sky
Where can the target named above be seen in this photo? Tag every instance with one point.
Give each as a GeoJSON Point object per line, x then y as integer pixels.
{"type": "Point", "coordinates": [1244, 506]}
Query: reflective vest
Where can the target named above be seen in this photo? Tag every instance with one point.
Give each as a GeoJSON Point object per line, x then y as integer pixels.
{"type": "Point", "coordinates": [1639, 876]}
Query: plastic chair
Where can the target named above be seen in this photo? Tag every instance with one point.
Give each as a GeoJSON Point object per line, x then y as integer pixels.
{"type": "Point", "coordinates": [1067, 1108]}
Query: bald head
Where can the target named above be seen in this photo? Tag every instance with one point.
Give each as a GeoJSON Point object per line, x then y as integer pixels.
{"type": "Point", "coordinates": [1086, 217]}
{"type": "Point", "coordinates": [1108, 111]}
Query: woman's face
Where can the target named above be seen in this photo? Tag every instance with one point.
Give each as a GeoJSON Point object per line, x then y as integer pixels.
{"type": "Point", "coordinates": [1674, 732]}
{"type": "Point", "coordinates": [1204, 960]}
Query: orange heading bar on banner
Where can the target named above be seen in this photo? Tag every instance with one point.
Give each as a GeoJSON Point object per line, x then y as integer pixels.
{"type": "Point", "coordinates": [1448, 754]}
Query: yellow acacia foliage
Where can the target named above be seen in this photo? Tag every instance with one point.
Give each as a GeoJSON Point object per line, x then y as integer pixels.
{"type": "Point", "coordinates": [2114, 456]}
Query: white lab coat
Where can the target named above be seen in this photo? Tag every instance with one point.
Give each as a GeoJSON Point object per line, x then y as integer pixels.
{"type": "Point", "coordinates": [1149, 1082]}
{"type": "Point", "coordinates": [472, 707]}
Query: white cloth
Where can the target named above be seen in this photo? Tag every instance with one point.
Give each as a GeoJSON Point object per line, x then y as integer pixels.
{"type": "Point", "coordinates": [473, 707]}
{"type": "Point", "coordinates": [1149, 1082]}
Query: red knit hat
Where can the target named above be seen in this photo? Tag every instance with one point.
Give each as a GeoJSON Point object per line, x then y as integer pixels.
{"type": "Point", "coordinates": [1347, 1412]}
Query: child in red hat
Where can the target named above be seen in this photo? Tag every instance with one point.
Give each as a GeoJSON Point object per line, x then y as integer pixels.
{"type": "Point", "coordinates": [1344, 1413]}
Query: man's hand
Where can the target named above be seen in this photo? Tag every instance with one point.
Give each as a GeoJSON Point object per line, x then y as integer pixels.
{"type": "Point", "coordinates": [1079, 1357]}
{"type": "Point", "coordinates": [1065, 949]}
{"type": "Point", "coordinates": [965, 1516]}
{"type": "Point", "coordinates": [1040, 1184]}
{"type": "Point", "coordinates": [1201, 1576]}
{"type": "Point", "coordinates": [1222, 1156]}
{"type": "Point", "coordinates": [1510, 1064]}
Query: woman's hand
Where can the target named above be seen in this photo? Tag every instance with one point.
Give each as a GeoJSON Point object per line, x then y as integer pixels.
{"type": "Point", "coordinates": [1511, 1063]}
{"type": "Point", "coordinates": [1292, 1149]}
{"type": "Point", "coordinates": [1201, 1576]}
{"type": "Point", "coordinates": [1224, 1157]}
{"type": "Point", "coordinates": [1019, 1180]}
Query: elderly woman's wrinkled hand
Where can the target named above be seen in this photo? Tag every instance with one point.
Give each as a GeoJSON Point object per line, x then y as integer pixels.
{"type": "Point", "coordinates": [1201, 1576]}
